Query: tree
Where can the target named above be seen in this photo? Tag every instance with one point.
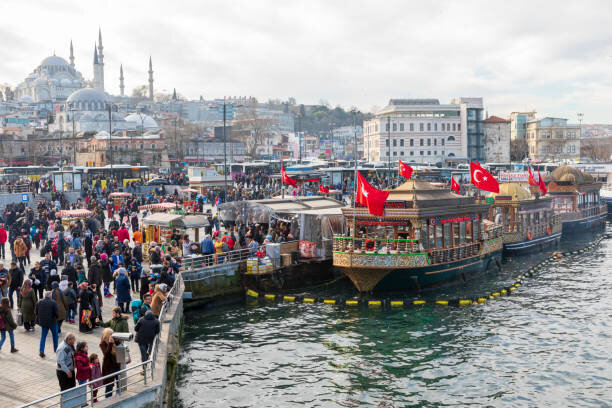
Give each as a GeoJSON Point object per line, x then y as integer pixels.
{"type": "Point", "coordinates": [598, 149]}
{"type": "Point", "coordinates": [141, 91]}
{"type": "Point", "coordinates": [519, 149]}
{"type": "Point", "coordinates": [252, 129]}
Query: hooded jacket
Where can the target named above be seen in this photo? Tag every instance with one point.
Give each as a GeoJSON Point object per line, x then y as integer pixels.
{"type": "Point", "coordinates": [146, 328]}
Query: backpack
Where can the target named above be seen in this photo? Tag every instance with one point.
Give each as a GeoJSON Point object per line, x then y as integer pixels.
{"type": "Point", "coordinates": [135, 305]}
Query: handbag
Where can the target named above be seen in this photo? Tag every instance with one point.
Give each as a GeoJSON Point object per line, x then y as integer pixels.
{"type": "Point", "coordinates": [19, 318]}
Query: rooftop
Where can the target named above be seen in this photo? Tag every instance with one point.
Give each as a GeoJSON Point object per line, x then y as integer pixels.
{"type": "Point", "coordinates": [495, 119]}
{"type": "Point", "coordinates": [414, 102]}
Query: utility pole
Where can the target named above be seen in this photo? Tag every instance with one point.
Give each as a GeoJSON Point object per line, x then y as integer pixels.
{"type": "Point", "coordinates": [73, 141]}
{"type": "Point", "coordinates": [354, 155]}
{"type": "Point", "coordinates": [300, 137]}
{"type": "Point", "coordinates": [110, 136]}
{"type": "Point", "coordinates": [61, 144]}
{"type": "Point", "coordinates": [580, 117]}
{"type": "Point", "coordinates": [224, 152]}
{"type": "Point", "coordinates": [389, 150]}
{"type": "Point", "coordinates": [331, 132]}
{"type": "Point", "coordinates": [176, 147]}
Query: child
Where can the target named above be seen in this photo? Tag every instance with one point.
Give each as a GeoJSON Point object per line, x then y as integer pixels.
{"type": "Point", "coordinates": [81, 360]}
{"type": "Point", "coordinates": [96, 372]}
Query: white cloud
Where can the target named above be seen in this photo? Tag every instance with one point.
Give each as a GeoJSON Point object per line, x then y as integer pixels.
{"type": "Point", "coordinates": [549, 55]}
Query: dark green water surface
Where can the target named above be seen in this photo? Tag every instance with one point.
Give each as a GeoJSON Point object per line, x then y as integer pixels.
{"type": "Point", "coordinates": [549, 344]}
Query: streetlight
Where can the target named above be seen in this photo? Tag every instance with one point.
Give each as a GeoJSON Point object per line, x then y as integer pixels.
{"type": "Point", "coordinates": [354, 113]}
{"type": "Point", "coordinates": [389, 149]}
{"type": "Point", "coordinates": [224, 151]}
{"type": "Point", "coordinates": [580, 117]}
{"type": "Point", "coordinates": [110, 134]}
{"type": "Point", "coordinates": [331, 132]}
{"type": "Point", "coordinates": [72, 110]}
{"type": "Point", "coordinates": [141, 133]}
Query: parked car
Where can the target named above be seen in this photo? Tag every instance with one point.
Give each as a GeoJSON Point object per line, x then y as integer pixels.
{"type": "Point", "coordinates": [158, 182]}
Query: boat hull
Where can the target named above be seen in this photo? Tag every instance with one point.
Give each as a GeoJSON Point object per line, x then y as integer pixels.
{"type": "Point", "coordinates": [585, 224]}
{"type": "Point", "coordinates": [423, 277]}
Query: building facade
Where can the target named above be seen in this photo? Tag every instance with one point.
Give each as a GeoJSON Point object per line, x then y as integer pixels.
{"type": "Point", "coordinates": [416, 131]}
{"type": "Point", "coordinates": [496, 140]}
{"type": "Point", "coordinates": [518, 124]}
{"type": "Point", "coordinates": [553, 140]}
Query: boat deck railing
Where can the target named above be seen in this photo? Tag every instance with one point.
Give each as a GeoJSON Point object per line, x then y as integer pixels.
{"type": "Point", "coordinates": [404, 246]}
{"type": "Point", "coordinates": [536, 228]}
{"type": "Point", "coordinates": [584, 212]}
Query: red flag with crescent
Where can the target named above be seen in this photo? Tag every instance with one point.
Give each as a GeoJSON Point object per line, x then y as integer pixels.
{"type": "Point", "coordinates": [405, 170]}
{"type": "Point", "coordinates": [482, 179]}
{"type": "Point", "coordinates": [323, 189]}
{"type": "Point", "coordinates": [541, 184]}
{"type": "Point", "coordinates": [370, 196]}
{"type": "Point", "coordinates": [532, 181]}
{"type": "Point", "coordinates": [455, 186]}
{"type": "Point", "coordinates": [286, 178]}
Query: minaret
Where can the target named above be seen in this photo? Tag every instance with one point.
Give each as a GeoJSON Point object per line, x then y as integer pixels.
{"type": "Point", "coordinates": [101, 59]}
{"type": "Point", "coordinates": [121, 86]}
{"type": "Point", "coordinates": [150, 79]}
{"type": "Point", "coordinates": [71, 56]}
{"type": "Point", "coordinates": [96, 65]}
{"type": "Point", "coordinates": [174, 95]}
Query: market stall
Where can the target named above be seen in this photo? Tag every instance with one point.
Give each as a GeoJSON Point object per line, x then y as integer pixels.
{"type": "Point", "coordinates": [159, 226]}
{"type": "Point", "coordinates": [159, 207]}
{"type": "Point", "coordinates": [119, 198]}
{"type": "Point", "coordinates": [69, 216]}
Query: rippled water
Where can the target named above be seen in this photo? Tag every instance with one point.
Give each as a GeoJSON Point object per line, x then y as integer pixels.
{"type": "Point", "coordinates": [549, 344]}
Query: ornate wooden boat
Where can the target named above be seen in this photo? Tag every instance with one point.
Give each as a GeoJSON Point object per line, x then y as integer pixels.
{"type": "Point", "coordinates": [528, 220]}
{"type": "Point", "coordinates": [427, 236]}
{"type": "Point", "coordinates": [576, 199]}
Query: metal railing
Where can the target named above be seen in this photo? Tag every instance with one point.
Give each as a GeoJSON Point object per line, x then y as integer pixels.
{"type": "Point", "coordinates": [144, 373]}
{"type": "Point", "coordinates": [405, 246]}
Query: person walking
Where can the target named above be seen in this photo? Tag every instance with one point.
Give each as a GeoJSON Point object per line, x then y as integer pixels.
{"type": "Point", "coordinates": [7, 324]}
{"type": "Point", "coordinates": [65, 363]}
{"type": "Point", "coordinates": [27, 305]}
{"type": "Point", "coordinates": [37, 276]}
{"type": "Point", "coordinates": [5, 280]}
{"type": "Point", "coordinates": [3, 239]}
{"type": "Point", "coordinates": [86, 315]}
{"type": "Point", "coordinates": [158, 299]}
{"type": "Point", "coordinates": [46, 312]}
{"type": "Point", "coordinates": [94, 276]}
{"type": "Point", "coordinates": [20, 248]}
{"type": "Point", "coordinates": [62, 305]}
{"type": "Point", "coordinates": [122, 285]}
{"type": "Point", "coordinates": [16, 282]}
{"type": "Point", "coordinates": [135, 269]}
{"type": "Point", "coordinates": [146, 329]}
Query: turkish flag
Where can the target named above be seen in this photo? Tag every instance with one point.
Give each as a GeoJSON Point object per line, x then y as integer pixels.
{"type": "Point", "coordinates": [482, 179]}
{"type": "Point", "coordinates": [286, 178]}
{"type": "Point", "coordinates": [541, 184]}
{"type": "Point", "coordinates": [323, 189]}
{"type": "Point", "coordinates": [532, 181]}
{"type": "Point", "coordinates": [405, 170]}
{"type": "Point", "coordinates": [370, 196]}
{"type": "Point", "coordinates": [455, 186]}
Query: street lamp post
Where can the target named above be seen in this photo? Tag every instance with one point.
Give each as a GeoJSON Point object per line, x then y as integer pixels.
{"type": "Point", "coordinates": [331, 133]}
{"type": "Point", "coordinates": [580, 117]}
{"type": "Point", "coordinates": [224, 151]}
{"type": "Point", "coordinates": [389, 149]}
{"type": "Point", "coordinates": [72, 110]}
{"type": "Point", "coordinates": [110, 135]}
{"type": "Point", "coordinates": [300, 138]}
{"type": "Point", "coordinates": [354, 190]}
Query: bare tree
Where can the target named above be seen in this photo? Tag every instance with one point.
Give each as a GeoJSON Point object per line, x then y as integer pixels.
{"type": "Point", "coordinates": [141, 91]}
{"type": "Point", "coordinates": [599, 149]}
{"type": "Point", "coordinates": [519, 149]}
{"type": "Point", "coordinates": [252, 129]}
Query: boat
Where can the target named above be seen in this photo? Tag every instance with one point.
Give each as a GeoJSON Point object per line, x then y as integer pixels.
{"type": "Point", "coordinates": [528, 219]}
{"type": "Point", "coordinates": [428, 236]}
{"type": "Point", "coordinates": [576, 199]}
{"type": "Point", "coordinates": [606, 193]}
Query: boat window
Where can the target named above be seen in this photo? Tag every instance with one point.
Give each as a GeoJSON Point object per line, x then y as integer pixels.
{"type": "Point", "coordinates": [462, 232]}
{"type": "Point", "coordinates": [447, 235]}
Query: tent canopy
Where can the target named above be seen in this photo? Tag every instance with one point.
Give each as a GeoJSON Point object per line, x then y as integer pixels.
{"type": "Point", "coordinates": [176, 220]}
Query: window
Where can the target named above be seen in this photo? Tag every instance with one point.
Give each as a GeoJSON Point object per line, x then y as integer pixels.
{"type": "Point", "coordinates": [394, 142]}
{"type": "Point", "coordinates": [435, 127]}
{"type": "Point", "coordinates": [421, 152]}
{"type": "Point", "coordinates": [395, 153]}
{"type": "Point", "coordinates": [442, 141]}
{"type": "Point", "coordinates": [451, 138]}
{"type": "Point", "coordinates": [387, 153]}
{"type": "Point", "coordinates": [435, 142]}
{"type": "Point", "coordinates": [435, 152]}
{"type": "Point", "coordinates": [429, 127]}
{"type": "Point", "coordinates": [421, 142]}
{"type": "Point", "coordinates": [569, 148]}
{"type": "Point", "coordinates": [387, 142]}
{"type": "Point", "coordinates": [395, 127]}
{"type": "Point", "coordinates": [420, 127]}
{"type": "Point", "coordinates": [411, 153]}
{"type": "Point", "coordinates": [428, 142]}
{"type": "Point", "coordinates": [402, 153]}
{"type": "Point", "coordinates": [412, 127]}
{"type": "Point", "coordinates": [453, 127]}
{"type": "Point", "coordinates": [411, 142]}
{"type": "Point", "coordinates": [402, 142]}
{"type": "Point", "coordinates": [429, 152]}
{"type": "Point", "coordinates": [573, 149]}
{"type": "Point", "coordinates": [401, 127]}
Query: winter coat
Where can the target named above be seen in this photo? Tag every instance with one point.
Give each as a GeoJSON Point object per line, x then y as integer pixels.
{"type": "Point", "coordinates": [86, 298]}
{"type": "Point", "coordinates": [47, 312]}
{"type": "Point", "coordinates": [207, 247]}
{"type": "Point", "coordinates": [9, 322]}
{"type": "Point", "coordinates": [96, 372]}
{"type": "Point", "coordinates": [20, 248]}
{"type": "Point", "coordinates": [62, 305]}
{"type": "Point", "coordinates": [109, 361]}
{"type": "Point", "coordinates": [146, 329]}
{"type": "Point", "coordinates": [122, 284]}
{"type": "Point", "coordinates": [157, 302]}
{"type": "Point", "coordinates": [123, 234]}
{"type": "Point", "coordinates": [16, 278]}
{"type": "Point", "coordinates": [37, 274]}
{"type": "Point", "coordinates": [118, 324]}
{"type": "Point", "coordinates": [70, 296]}
{"type": "Point", "coordinates": [70, 272]}
{"type": "Point", "coordinates": [27, 304]}
{"type": "Point", "coordinates": [107, 274]}
{"type": "Point", "coordinates": [83, 372]}
{"type": "Point", "coordinates": [95, 274]}
{"type": "Point", "coordinates": [3, 236]}
{"type": "Point", "coordinates": [5, 277]}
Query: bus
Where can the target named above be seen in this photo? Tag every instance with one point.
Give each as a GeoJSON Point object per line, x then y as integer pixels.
{"type": "Point", "coordinates": [34, 173]}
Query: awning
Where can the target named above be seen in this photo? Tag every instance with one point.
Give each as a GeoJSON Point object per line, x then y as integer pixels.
{"type": "Point", "coordinates": [119, 194]}
{"type": "Point", "coordinates": [194, 221]}
{"type": "Point", "coordinates": [159, 206]}
{"type": "Point", "coordinates": [162, 220]}
{"type": "Point", "coordinates": [189, 190]}
{"type": "Point", "coordinates": [74, 213]}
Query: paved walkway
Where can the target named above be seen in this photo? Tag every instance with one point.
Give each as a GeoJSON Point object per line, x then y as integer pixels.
{"type": "Point", "coordinates": [25, 377]}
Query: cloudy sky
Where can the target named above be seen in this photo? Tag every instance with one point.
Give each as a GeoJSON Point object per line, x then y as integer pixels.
{"type": "Point", "coordinates": [551, 56]}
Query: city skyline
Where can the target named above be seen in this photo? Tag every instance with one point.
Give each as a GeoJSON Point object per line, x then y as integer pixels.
{"type": "Point", "coordinates": [509, 54]}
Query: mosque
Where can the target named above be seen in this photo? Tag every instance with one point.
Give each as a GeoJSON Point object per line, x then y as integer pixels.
{"type": "Point", "coordinates": [81, 105]}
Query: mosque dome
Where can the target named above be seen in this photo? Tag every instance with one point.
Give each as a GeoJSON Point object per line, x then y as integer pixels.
{"type": "Point", "coordinates": [514, 190]}
{"type": "Point", "coordinates": [143, 120]}
{"type": "Point", "coordinates": [88, 99]}
{"type": "Point", "coordinates": [571, 175]}
{"type": "Point", "coordinates": [53, 61]}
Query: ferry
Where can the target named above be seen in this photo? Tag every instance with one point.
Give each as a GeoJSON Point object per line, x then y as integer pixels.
{"type": "Point", "coordinates": [576, 199]}
{"type": "Point", "coordinates": [428, 236]}
{"type": "Point", "coordinates": [528, 220]}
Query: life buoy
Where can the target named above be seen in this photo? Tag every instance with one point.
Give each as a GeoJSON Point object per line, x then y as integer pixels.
{"type": "Point", "coordinates": [529, 235]}
{"type": "Point", "coordinates": [369, 244]}
{"type": "Point", "coordinates": [548, 230]}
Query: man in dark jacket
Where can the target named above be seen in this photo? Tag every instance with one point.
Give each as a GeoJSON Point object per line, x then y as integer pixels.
{"type": "Point", "coordinates": [95, 275]}
{"type": "Point", "coordinates": [146, 329]}
{"type": "Point", "coordinates": [47, 313]}
{"type": "Point", "coordinates": [16, 282]}
{"type": "Point", "coordinates": [70, 272]}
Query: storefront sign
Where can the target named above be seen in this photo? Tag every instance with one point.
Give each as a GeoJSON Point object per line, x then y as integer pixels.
{"type": "Point", "coordinates": [392, 223]}
{"type": "Point", "coordinates": [440, 221]}
{"type": "Point", "coordinates": [514, 176]}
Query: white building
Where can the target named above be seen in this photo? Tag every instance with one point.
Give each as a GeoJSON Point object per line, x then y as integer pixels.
{"type": "Point", "coordinates": [415, 130]}
{"type": "Point", "coordinates": [553, 140]}
{"type": "Point", "coordinates": [53, 80]}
